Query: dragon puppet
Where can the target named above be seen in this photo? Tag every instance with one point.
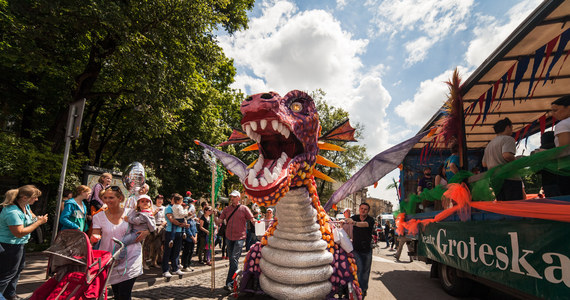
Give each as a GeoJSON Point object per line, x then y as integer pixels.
{"type": "Point", "coordinates": [297, 257]}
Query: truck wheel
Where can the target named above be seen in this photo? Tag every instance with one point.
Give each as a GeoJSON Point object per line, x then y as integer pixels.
{"type": "Point", "coordinates": [452, 283]}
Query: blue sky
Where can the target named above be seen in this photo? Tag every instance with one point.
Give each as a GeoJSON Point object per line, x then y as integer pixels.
{"type": "Point", "coordinates": [385, 62]}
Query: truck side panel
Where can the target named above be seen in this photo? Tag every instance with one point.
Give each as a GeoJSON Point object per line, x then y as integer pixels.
{"type": "Point", "coordinates": [530, 255]}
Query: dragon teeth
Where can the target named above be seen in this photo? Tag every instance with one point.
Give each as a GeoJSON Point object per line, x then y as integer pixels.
{"type": "Point", "coordinates": [275, 124]}
{"type": "Point", "coordinates": [248, 129]}
{"type": "Point", "coordinates": [263, 124]}
{"type": "Point", "coordinates": [254, 183]}
{"type": "Point", "coordinates": [262, 181]}
{"type": "Point", "coordinates": [285, 132]}
{"type": "Point", "coordinates": [267, 175]}
{"type": "Point", "coordinates": [253, 125]}
{"type": "Point", "coordinates": [258, 165]}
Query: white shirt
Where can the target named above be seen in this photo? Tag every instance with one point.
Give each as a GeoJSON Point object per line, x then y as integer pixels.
{"type": "Point", "coordinates": [134, 251]}
{"type": "Point", "coordinates": [562, 126]}
{"type": "Point", "coordinates": [494, 152]}
{"type": "Point", "coordinates": [159, 217]}
{"type": "Point", "coordinates": [179, 212]}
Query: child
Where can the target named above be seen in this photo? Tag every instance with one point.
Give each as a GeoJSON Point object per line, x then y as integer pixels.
{"type": "Point", "coordinates": [180, 213]}
{"type": "Point", "coordinates": [74, 214]}
{"type": "Point", "coordinates": [139, 220]}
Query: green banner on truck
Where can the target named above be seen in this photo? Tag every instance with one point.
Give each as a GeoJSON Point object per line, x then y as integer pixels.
{"type": "Point", "coordinates": [529, 255]}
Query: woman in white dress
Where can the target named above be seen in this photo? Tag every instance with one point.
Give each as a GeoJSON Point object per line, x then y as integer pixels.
{"type": "Point", "coordinates": [110, 224]}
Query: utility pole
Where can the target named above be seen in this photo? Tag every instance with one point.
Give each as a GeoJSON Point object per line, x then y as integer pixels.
{"type": "Point", "coordinates": [71, 133]}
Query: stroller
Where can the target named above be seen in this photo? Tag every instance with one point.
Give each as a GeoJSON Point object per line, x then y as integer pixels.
{"type": "Point", "coordinates": [77, 271]}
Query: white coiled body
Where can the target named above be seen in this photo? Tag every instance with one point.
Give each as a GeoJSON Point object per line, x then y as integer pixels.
{"type": "Point", "coordinates": [295, 263]}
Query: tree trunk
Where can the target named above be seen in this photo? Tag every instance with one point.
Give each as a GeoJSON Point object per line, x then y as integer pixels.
{"type": "Point", "coordinates": [84, 83]}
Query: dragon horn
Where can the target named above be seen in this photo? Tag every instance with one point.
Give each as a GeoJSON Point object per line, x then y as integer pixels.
{"type": "Point", "coordinates": [342, 132]}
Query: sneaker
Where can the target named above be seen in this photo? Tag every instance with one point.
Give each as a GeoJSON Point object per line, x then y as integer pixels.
{"type": "Point", "coordinates": [145, 267]}
{"type": "Point", "coordinates": [179, 272]}
{"type": "Point", "coordinates": [180, 266]}
{"type": "Point", "coordinates": [187, 269]}
{"type": "Point", "coordinates": [166, 274]}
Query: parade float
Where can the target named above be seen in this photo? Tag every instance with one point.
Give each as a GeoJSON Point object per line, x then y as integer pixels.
{"type": "Point", "coordinates": [520, 247]}
{"type": "Point", "coordinates": [297, 257]}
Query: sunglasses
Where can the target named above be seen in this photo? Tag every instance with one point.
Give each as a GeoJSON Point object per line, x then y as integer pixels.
{"type": "Point", "coordinates": [114, 188]}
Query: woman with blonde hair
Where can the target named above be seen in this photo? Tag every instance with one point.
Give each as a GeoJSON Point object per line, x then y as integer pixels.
{"type": "Point", "coordinates": [95, 202]}
{"type": "Point", "coordinates": [110, 224]}
{"type": "Point", "coordinates": [75, 211]}
{"type": "Point", "coordinates": [17, 221]}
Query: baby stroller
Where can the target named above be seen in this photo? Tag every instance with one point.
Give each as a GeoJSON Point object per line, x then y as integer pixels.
{"type": "Point", "coordinates": [77, 271]}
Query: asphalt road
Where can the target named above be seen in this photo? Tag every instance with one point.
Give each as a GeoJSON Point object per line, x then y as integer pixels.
{"type": "Point", "coordinates": [389, 279]}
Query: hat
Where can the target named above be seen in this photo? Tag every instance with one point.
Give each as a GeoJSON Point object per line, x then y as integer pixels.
{"type": "Point", "coordinates": [345, 210]}
{"type": "Point", "coordinates": [188, 193]}
{"type": "Point", "coordinates": [235, 194]}
{"type": "Point", "coordinates": [270, 209]}
{"type": "Point", "coordinates": [143, 197]}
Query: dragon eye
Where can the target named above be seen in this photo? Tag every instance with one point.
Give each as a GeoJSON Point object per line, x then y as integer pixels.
{"type": "Point", "coordinates": [296, 106]}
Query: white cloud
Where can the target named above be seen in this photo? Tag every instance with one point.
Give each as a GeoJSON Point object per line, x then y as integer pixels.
{"type": "Point", "coordinates": [247, 83]}
{"type": "Point", "coordinates": [430, 96]}
{"type": "Point", "coordinates": [432, 19]}
{"type": "Point", "coordinates": [340, 4]}
{"type": "Point", "coordinates": [490, 36]}
{"type": "Point", "coordinates": [418, 49]}
{"type": "Point", "coordinates": [305, 51]}
{"type": "Point", "coordinates": [369, 105]}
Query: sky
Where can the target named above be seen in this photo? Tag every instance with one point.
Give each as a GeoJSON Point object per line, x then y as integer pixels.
{"type": "Point", "coordinates": [383, 61]}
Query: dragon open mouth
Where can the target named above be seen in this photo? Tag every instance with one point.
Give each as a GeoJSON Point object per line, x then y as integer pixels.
{"type": "Point", "coordinates": [277, 148]}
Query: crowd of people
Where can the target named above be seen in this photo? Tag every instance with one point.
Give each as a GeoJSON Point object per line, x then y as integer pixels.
{"type": "Point", "coordinates": [154, 235]}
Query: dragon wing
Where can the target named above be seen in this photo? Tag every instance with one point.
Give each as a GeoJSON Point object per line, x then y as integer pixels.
{"type": "Point", "coordinates": [382, 164]}
{"type": "Point", "coordinates": [232, 163]}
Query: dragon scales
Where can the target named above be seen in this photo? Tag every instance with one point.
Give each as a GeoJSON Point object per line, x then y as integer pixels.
{"type": "Point", "coordinates": [297, 257]}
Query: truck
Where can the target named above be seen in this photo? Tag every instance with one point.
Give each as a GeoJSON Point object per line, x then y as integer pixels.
{"type": "Point", "coordinates": [525, 256]}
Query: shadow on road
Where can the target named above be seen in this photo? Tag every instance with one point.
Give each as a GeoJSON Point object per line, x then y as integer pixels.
{"type": "Point", "coordinates": [182, 292]}
{"type": "Point", "coordinates": [410, 284]}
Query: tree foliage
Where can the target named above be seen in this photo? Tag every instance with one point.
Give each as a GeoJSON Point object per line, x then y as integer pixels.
{"type": "Point", "coordinates": [152, 73]}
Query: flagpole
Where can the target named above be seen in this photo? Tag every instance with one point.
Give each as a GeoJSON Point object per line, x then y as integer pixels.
{"type": "Point", "coordinates": [212, 218]}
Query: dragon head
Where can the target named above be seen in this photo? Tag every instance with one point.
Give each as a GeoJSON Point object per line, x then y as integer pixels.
{"type": "Point", "coordinates": [286, 130]}
{"type": "Point", "coordinates": [286, 133]}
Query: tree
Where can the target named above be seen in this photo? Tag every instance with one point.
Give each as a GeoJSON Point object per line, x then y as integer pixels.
{"type": "Point", "coordinates": [355, 155]}
{"type": "Point", "coordinates": [152, 72]}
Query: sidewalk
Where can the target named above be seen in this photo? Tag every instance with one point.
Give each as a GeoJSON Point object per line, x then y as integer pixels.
{"type": "Point", "coordinates": [34, 274]}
